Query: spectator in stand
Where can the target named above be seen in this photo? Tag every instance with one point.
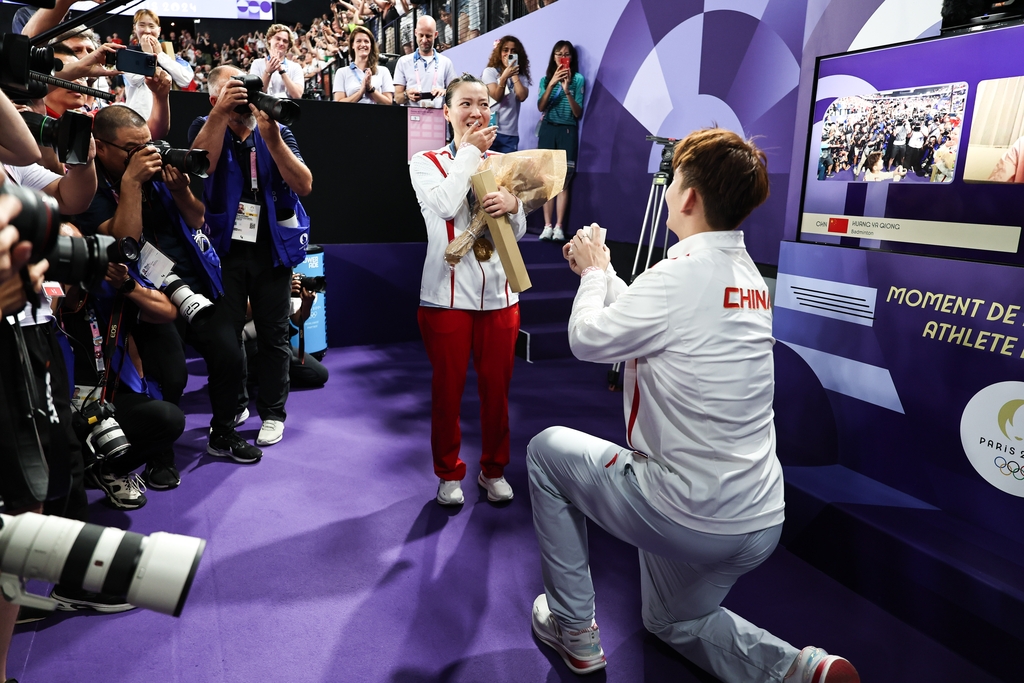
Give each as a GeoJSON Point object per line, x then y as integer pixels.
{"type": "Point", "coordinates": [388, 18]}
{"type": "Point", "coordinates": [470, 12]}
{"type": "Point", "coordinates": [146, 25]}
{"type": "Point", "coordinates": [281, 76]}
{"type": "Point", "coordinates": [422, 78]}
{"type": "Point", "coordinates": [503, 76]}
{"type": "Point", "coordinates": [364, 80]}
{"type": "Point", "coordinates": [561, 103]}
{"type": "Point", "coordinates": [444, 28]}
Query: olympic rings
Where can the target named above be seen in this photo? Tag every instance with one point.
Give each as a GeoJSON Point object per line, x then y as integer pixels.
{"type": "Point", "coordinates": [1009, 468]}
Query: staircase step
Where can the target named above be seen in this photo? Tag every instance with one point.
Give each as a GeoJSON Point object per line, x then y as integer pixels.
{"type": "Point", "coordinates": [546, 307]}
{"type": "Point", "coordinates": [548, 277]}
{"type": "Point", "coordinates": [543, 342]}
{"type": "Point", "coordinates": [535, 251]}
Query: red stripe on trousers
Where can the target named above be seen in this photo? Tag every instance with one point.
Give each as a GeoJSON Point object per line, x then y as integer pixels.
{"type": "Point", "coordinates": [635, 407]}
{"type": "Point", "coordinates": [452, 337]}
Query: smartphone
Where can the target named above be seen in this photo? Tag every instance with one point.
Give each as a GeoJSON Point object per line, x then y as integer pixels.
{"type": "Point", "coordinates": [564, 62]}
{"type": "Point", "coordinates": [512, 58]}
{"type": "Point", "coordinates": [132, 62]}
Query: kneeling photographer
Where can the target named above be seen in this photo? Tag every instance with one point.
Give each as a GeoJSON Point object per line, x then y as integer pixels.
{"type": "Point", "coordinates": [110, 382]}
{"type": "Point", "coordinates": [144, 193]}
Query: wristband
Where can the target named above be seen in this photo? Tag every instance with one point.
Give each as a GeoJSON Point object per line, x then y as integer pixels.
{"type": "Point", "coordinates": [590, 269]}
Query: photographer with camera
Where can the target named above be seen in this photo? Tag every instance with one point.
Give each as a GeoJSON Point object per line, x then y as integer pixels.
{"type": "Point", "coordinates": [257, 223]}
{"type": "Point", "coordinates": [142, 196]}
{"type": "Point", "coordinates": [281, 76]}
{"type": "Point", "coordinates": [304, 370]}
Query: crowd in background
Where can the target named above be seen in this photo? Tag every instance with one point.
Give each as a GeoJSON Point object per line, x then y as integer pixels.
{"type": "Point", "coordinates": [898, 133]}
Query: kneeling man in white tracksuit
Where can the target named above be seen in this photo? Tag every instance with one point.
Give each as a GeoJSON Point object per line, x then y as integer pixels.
{"type": "Point", "coordinates": [698, 487]}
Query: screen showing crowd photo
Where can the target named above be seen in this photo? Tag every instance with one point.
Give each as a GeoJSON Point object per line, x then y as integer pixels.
{"type": "Point", "coordinates": [919, 148]}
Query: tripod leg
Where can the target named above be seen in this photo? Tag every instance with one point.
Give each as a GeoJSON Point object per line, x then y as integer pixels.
{"type": "Point", "coordinates": [643, 226]}
{"type": "Point", "coordinates": [656, 225]}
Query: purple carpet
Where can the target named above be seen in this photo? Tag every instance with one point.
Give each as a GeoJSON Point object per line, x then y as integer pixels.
{"type": "Point", "coordinates": [330, 561]}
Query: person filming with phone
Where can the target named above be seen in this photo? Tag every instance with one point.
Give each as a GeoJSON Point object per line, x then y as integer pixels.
{"type": "Point", "coordinates": [504, 77]}
{"type": "Point", "coordinates": [561, 104]}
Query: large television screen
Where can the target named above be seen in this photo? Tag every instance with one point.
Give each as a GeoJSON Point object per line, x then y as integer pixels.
{"type": "Point", "coordinates": [919, 148]}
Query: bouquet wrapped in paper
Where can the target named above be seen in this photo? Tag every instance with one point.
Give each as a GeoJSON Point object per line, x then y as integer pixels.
{"type": "Point", "coordinates": [534, 176]}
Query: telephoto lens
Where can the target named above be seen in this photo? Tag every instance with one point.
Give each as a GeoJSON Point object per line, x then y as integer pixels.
{"type": "Point", "coordinates": [83, 261]}
{"type": "Point", "coordinates": [103, 433]}
{"type": "Point", "coordinates": [154, 572]}
{"type": "Point", "coordinates": [39, 219]}
{"type": "Point", "coordinates": [69, 136]}
{"type": "Point", "coordinates": [192, 161]}
{"type": "Point", "coordinates": [192, 305]}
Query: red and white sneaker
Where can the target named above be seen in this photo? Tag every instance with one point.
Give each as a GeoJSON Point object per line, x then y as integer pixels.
{"type": "Point", "coordinates": [580, 650]}
{"type": "Point", "coordinates": [814, 665]}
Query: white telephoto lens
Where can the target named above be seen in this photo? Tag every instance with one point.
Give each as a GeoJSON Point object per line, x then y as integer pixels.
{"type": "Point", "coordinates": [165, 572]}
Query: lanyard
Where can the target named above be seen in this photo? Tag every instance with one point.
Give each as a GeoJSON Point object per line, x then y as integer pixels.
{"type": "Point", "coordinates": [419, 80]}
{"type": "Point", "coordinates": [253, 175]}
{"type": "Point", "coordinates": [97, 340]}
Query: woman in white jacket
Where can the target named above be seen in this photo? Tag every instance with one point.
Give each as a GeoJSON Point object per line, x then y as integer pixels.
{"type": "Point", "coordinates": [467, 310]}
{"type": "Point", "coordinates": [146, 27]}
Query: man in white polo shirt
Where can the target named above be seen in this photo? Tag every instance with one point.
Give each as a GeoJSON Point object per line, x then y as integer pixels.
{"type": "Point", "coordinates": [422, 77]}
{"type": "Point", "coordinates": [698, 488]}
{"type": "Point", "coordinates": [282, 77]}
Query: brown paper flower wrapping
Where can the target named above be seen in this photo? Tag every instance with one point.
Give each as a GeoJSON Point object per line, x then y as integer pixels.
{"type": "Point", "coordinates": [534, 176]}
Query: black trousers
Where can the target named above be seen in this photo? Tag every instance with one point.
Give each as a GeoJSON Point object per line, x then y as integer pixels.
{"type": "Point", "coordinates": [309, 375]}
{"type": "Point", "coordinates": [162, 351]}
{"type": "Point", "coordinates": [215, 337]}
{"type": "Point", "coordinates": [250, 276]}
{"type": "Point", "coordinates": [151, 426]}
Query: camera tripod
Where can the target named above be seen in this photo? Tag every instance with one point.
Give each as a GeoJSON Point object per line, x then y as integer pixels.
{"type": "Point", "coordinates": [655, 204]}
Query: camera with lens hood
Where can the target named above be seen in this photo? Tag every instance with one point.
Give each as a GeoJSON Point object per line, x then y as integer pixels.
{"type": "Point", "coordinates": [18, 58]}
{"type": "Point", "coordinates": [192, 161]}
{"type": "Point", "coordinates": [78, 261]}
{"type": "Point", "coordinates": [96, 427]}
{"type": "Point", "coordinates": [154, 572]}
{"type": "Point", "coordinates": [193, 306]}
{"type": "Point", "coordinates": [282, 110]}
{"type": "Point", "coordinates": [69, 136]}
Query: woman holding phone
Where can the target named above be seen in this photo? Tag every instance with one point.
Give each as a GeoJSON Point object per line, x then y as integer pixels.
{"type": "Point", "coordinates": [466, 310]}
{"type": "Point", "coordinates": [504, 75]}
{"type": "Point", "coordinates": [561, 101]}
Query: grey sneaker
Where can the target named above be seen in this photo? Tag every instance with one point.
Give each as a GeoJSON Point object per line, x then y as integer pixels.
{"type": "Point", "coordinates": [126, 493]}
{"type": "Point", "coordinates": [498, 490]}
{"type": "Point", "coordinates": [580, 650]}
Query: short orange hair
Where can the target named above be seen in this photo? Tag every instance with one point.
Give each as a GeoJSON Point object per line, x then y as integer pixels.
{"type": "Point", "coordinates": [145, 12]}
{"type": "Point", "coordinates": [729, 173]}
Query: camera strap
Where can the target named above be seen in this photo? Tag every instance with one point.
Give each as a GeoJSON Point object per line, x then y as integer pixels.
{"type": "Point", "coordinates": [115, 329]}
{"type": "Point", "coordinates": [29, 444]}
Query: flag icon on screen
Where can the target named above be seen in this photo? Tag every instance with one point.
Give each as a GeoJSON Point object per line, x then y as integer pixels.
{"type": "Point", "coordinates": [838, 224]}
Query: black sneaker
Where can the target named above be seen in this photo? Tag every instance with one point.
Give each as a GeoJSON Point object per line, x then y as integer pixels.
{"type": "Point", "coordinates": [70, 599]}
{"type": "Point", "coordinates": [27, 615]}
{"type": "Point", "coordinates": [162, 476]}
{"type": "Point", "coordinates": [231, 445]}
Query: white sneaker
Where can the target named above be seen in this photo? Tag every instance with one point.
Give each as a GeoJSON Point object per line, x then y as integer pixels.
{"type": "Point", "coordinates": [270, 433]}
{"type": "Point", "coordinates": [242, 416]}
{"type": "Point", "coordinates": [450, 492]}
{"type": "Point", "coordinates": [498, 489]}
{"type": "Point", "coordinates": [126, 493]}
{"type": "Point", "coordinates": [580, 650]}
{"type": "Point", "coordinates": [557, 235]}
{"type": "Point", "coordinates": [546, 234]}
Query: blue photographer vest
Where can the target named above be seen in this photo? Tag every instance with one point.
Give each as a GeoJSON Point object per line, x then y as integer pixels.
{"type": "Point", "coordinates": [223, 192]}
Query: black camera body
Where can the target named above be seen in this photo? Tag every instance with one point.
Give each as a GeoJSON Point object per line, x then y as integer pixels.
{"type": "Point", "coordinates": [18, 58]}
{"type": "Point", "coordinates": [281, 110]}
{"type": "Point", "coordinates": [194, 161]}
{"type": "Point", "coordinates": [315, 284]}
{"type": "Point", "coordinates": [69, 136]}
{"type": "Point", "coordinates": [667, 152]}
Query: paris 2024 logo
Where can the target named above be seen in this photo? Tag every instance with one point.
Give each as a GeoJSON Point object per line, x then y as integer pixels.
{"type": "Point", "coordinates": [992, 433]}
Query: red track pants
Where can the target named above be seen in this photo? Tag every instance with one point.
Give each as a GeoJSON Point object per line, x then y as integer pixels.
{"type": "Point", "coordinates": [451, 336]}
